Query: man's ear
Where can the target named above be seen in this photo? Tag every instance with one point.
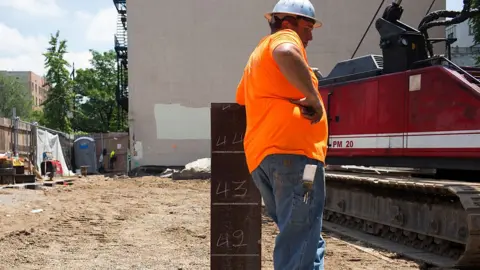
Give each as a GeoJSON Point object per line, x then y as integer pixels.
{"type": "Point", "coordinates": [286, 24]}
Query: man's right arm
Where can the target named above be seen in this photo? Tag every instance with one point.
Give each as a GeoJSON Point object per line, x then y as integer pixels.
{"type": "Point", "coordinates": [292, 65]}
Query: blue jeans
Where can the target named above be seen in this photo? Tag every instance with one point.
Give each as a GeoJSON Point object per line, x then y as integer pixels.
{"type": "Point", "coordinates": [299, 245]}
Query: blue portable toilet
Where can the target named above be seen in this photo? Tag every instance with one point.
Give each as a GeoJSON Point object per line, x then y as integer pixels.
{"type": "Point", "coordinates": [85, 153]}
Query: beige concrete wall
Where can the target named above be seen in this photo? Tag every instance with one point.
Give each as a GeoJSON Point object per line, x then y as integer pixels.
{"type": "Point", "coordinates": [183, 55]}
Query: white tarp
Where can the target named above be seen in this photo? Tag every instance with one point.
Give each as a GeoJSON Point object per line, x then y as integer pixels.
{"type": "Point", "coordinates": [200, 165]}
{"type": "Point", "coordinates": [47, 142]}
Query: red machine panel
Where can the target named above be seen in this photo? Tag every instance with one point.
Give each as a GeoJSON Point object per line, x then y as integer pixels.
{"type": "Point", "coordinates": [427, 112]}
{"type": "Point", "coordinates": [444, 115]}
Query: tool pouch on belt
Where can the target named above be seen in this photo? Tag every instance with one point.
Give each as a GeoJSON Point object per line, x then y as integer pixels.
{"type": "Point", "coordinates": [308, 178]}
{"type": "Point", "coordinates": [309, 175]}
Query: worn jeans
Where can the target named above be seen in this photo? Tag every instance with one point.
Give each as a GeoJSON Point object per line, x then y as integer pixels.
{"type": "Point", "coordinates": [299, 245]}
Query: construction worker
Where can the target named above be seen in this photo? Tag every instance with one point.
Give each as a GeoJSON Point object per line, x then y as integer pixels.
{"type": "Point", "coordinates": [113, 159]}
{"type": "Point", "coordinates": [286, 130]}
{"type": "Point", "coordinates": [101, 167]}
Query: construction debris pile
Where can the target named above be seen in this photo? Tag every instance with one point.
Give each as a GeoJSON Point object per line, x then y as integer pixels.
{"type": "Point", "coordinates": [198, 169]}
{"type": "Point", "coordinates": [15, 169]}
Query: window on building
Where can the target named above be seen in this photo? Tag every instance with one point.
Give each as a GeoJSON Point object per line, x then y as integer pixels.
{"type": "Point", "coordinates": [470, 29]}
{"type": "Point", "coordinates": [451, 31]}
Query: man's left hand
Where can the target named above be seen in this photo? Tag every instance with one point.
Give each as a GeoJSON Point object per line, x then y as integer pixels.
{"type": "Point", "coordinates": [312, 113]}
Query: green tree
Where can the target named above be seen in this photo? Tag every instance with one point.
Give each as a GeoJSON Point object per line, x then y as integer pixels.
{"type": "Point", "coordinates": [96, 87]}
{"type": "Point", "coordinates": [14, 94]}
{"type": "Point", "coordinates": [37, 116]}
{"type": "Point", "coordinates": [59, 101]}
{"type": "Point", "coordinates": [475, 24]}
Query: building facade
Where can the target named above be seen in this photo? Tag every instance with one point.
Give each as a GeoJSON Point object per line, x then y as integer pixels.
{"type": "Point", "coordinates": [187, 54]}
{"type": "Point", "coordinates": [464, 51]}
{"type": "Point", "coordinates": [34, 83]}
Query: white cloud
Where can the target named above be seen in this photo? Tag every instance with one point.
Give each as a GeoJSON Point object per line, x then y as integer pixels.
{"type": "Point", "coordinates": [101, 26]}
{"type": "Point", "coordinates": [82, 16]}
{"type": "Point", "coordinates": [35, 7]}
{"type": "Point", "coordinates": [24, 62]}
{"type": "Point", "coordinates": [14, 42]}
{"type": "Point", "coordinates": [25, 52]}
{"type": "Point", "coordinates": [80, 59]}
{"type": "Point", "coordinates": [35, 62]}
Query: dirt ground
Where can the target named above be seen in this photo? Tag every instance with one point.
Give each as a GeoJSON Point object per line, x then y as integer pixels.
{"type": "Point", "coordinates": [137, 223]}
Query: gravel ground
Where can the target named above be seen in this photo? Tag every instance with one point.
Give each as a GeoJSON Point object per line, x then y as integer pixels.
{"type": "Point", "coordinates": [138, 223]}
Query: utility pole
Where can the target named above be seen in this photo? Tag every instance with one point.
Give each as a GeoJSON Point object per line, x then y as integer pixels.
{"type": "Point", "coordinates": [15, 132]}
{"type": "Point", "coordinates": [74, 88]}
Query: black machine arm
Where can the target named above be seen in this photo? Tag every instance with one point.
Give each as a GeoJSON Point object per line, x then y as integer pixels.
{"type": "Point", "coordinates": [458, 16]}
{"type": "Point", "coordinates": [431, 20]}
{"type": "Point", "coordinates": [403, 45]}
{"type": "Point", "coordinates": [393, 12]}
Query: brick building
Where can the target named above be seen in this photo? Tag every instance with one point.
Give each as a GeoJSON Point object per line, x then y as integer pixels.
{"type": "Point", "coordinates": [33, 82]}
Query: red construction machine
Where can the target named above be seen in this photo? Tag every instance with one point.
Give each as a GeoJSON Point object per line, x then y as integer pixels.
{"type": "Point", "coordinates": [407, 108]}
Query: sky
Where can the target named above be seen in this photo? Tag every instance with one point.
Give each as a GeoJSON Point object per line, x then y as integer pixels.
{"type": "Point", "coordinates": [454, 4]}
{"type": "Point", "coordinates": [26, 25]}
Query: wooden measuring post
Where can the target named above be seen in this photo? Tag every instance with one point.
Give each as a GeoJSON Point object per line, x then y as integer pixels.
{"type": "Point", "coordinates": [236, 220]}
